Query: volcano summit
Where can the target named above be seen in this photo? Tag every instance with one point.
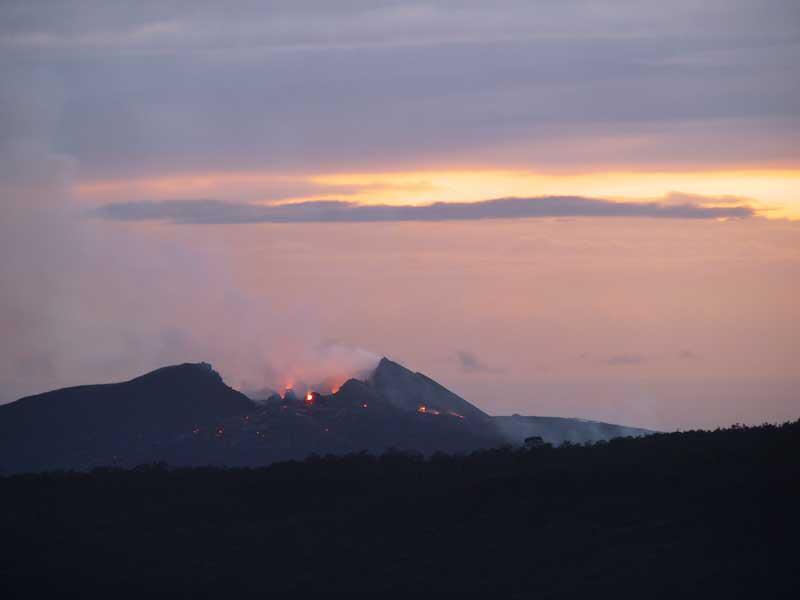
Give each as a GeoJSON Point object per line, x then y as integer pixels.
{"type": "Point", "coordinates": [187, 415]}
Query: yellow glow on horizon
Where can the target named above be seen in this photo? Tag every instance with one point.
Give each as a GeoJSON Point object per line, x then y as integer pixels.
{"type": "Point", "coordinates": [773, 192]}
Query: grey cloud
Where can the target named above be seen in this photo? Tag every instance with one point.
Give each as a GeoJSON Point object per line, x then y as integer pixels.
{"type": "Point", "coordinates": [216, 212]}
{"type": "Point", "coordinates": [470, 363]}
{"type": "Point", "coordinates": [626, 360]}
{"type": "Point", "coordinates": [320, 22]}
{"type": "Point", "coordinates": [680, 198]}
{"type": "Point", "coordinates": [291, 87]}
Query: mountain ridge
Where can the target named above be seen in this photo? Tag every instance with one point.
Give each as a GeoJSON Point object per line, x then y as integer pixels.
{"type": "Point", "coordinates": [186, 415]}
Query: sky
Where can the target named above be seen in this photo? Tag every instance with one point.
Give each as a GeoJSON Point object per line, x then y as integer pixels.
{"type": "Point", "coordinates": [572, 208]}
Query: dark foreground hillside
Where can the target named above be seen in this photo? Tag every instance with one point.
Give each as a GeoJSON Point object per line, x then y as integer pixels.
{"type": "Point", "coordinates": [696, 514]}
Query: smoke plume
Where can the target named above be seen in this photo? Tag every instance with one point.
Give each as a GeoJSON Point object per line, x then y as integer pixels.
{"type": "Point", "coordinates": [83, 302]}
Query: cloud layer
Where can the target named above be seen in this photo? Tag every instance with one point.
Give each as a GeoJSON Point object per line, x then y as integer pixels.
{"type": "Point", "coordinates": [301, 86]}
{"type": "Point", "coordinates": [215, 212]}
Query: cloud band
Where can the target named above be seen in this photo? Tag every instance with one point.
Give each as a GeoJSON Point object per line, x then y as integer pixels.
{"type": "Point", "coordinates": [217, 212]}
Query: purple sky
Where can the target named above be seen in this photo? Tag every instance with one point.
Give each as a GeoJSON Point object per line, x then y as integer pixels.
{"type": "Point", "coordinates": [563, 208]}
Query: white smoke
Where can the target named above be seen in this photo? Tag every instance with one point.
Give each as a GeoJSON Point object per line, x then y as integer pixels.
{"type": "Point", "coordinates": [85, 301]}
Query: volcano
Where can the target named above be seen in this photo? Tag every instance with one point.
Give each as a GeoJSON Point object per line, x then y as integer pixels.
{"type": "Point", "coordinates": [186, 415]}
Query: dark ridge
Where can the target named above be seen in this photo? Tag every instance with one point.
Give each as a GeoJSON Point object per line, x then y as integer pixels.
{"type": "Point", "coordinates": [186, 415]}
{"type": "Point", "coordinates": [557, 430]}
{"type": "Point", "coordinates": [85, 426]}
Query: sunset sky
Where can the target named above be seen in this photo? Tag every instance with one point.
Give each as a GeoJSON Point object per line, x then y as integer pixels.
{"type": "Point", "coordinates": [258, 185]}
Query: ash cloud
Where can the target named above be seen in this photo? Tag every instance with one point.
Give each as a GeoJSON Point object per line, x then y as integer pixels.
{"type": "Point", "coordinates": [208, 212]}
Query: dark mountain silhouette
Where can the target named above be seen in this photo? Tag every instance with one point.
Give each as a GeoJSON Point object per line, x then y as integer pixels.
{"type": "Point", "coordinates": [186, 415]}
{"type": "Point", "coordinates": [104, 424]}
{"type": "Point", "coordinates": [409, 391]}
